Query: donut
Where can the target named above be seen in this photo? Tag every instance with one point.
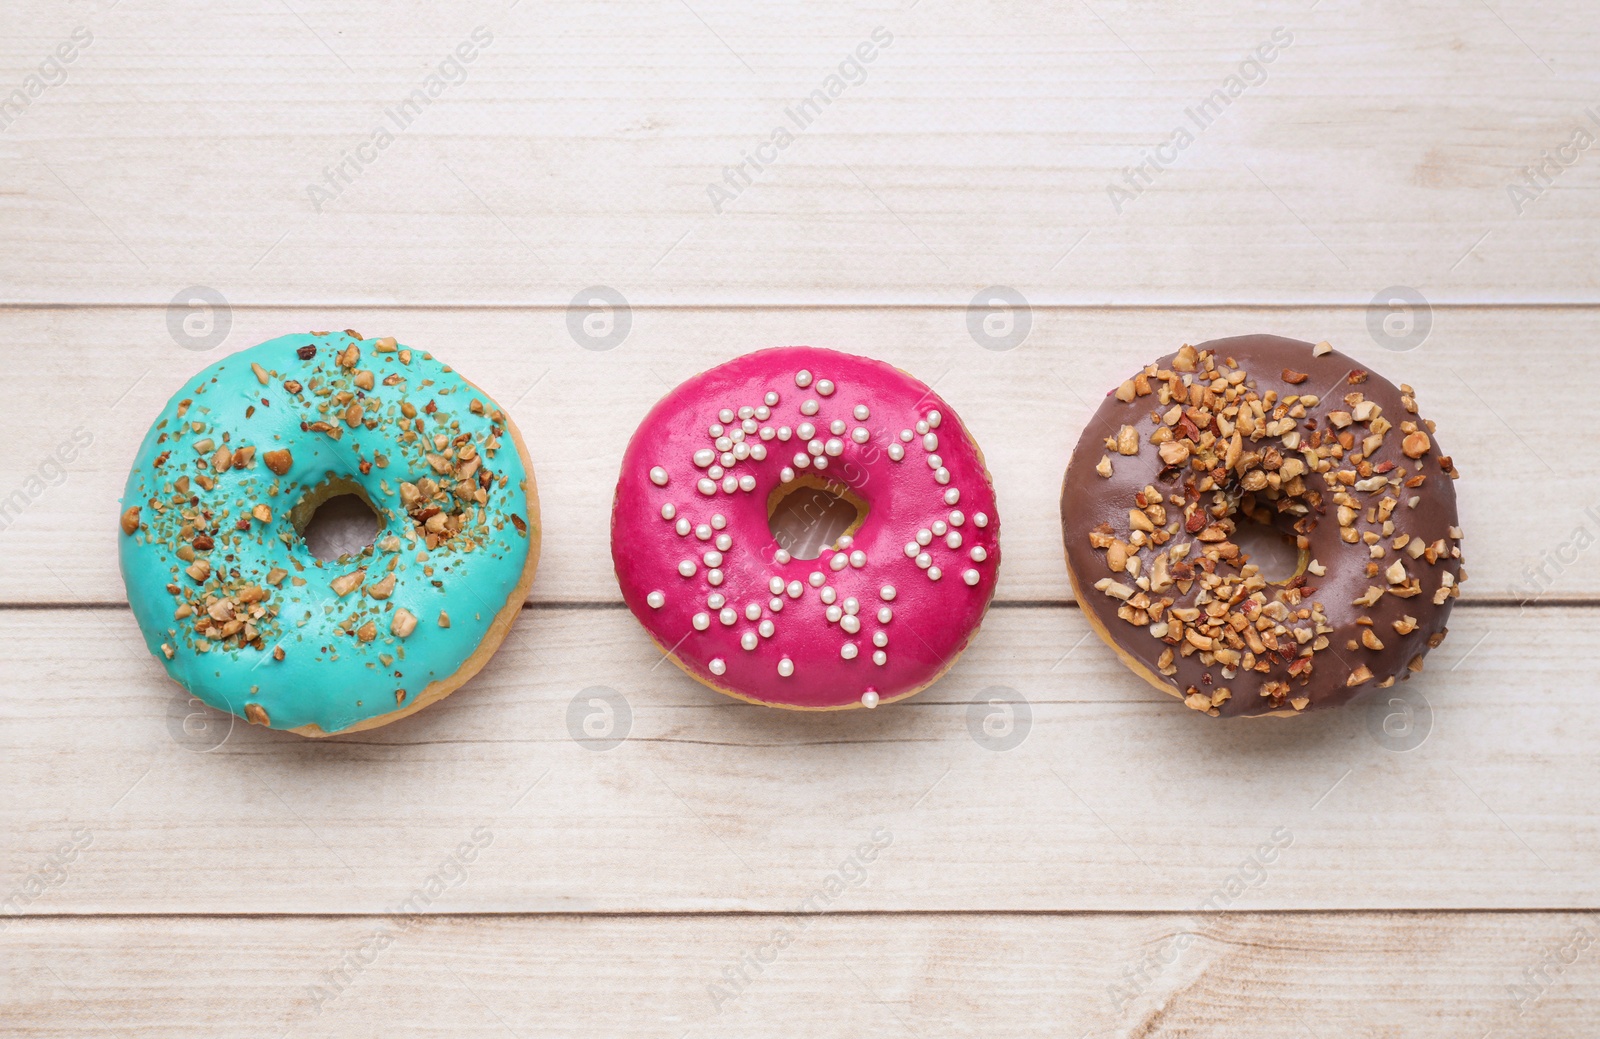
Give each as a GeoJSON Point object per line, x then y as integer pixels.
{"type": "Point", "coordinates": [1300, 439]}
{"type": "Point", "coordinates": [224, 587]}
{"type": "Point", "coordinates": [880, 614]}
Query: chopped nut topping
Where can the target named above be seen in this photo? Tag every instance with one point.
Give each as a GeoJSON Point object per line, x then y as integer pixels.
{"type": "Point", "coordinates": [347, 583]}
{"type": "Point", "coordinates": [130, 520]}
{"type": "Point", "coordinates": [255, 714]}
{"type": "Point", "coordinates": [403, 623]}
{"type": "Point", "coordinates": [278, 461]}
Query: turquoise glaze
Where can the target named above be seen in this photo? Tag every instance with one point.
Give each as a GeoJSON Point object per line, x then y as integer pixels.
{"type": "Point", "coordinates": [294, 652]}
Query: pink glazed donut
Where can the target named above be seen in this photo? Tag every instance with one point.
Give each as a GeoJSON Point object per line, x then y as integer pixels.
{"type": "Point", "coordinates": [879, 615]}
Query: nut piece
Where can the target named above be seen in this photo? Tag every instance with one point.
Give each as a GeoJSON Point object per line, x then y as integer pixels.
{"type": "Point", "coordinates": [1415, 445]}
{"type": "Point", "coordinates": [130, 520]}
{"type": "Point", "coordinates": [278, 461]}
{"type": "Point", "coordinates": [256, 714]}
{"type": "Point", "coordinates": [1104, 468]}
{"type": "Point", "coordinates": [1127, 441]}
{"type": "Point", "coordinates": [347, 583]}
{"type": "Point", "coordinates": [367, 632]}
{"type": "Point", "coordinates": [403, 624]}
{"type": "Point", "coordinates": [382, 589]}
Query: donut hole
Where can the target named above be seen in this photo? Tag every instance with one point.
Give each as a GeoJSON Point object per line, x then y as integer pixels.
{"type": "Point", "coordinates": [335, 520]}
{"type": "Point", "coordinates": [810, 514]}
{"type": "Point", "coordinates": [1272, 551]}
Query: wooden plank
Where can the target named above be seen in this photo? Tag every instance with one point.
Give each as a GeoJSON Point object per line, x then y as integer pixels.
{"type": "Point", "coordinates": [1504, 385]}
{"type": "Point", "coordinates": [1236, 975]}
{"type": "Point", "coordinates": [582, 143]}
{"type": "Point", "coordinates": [1116, 798]}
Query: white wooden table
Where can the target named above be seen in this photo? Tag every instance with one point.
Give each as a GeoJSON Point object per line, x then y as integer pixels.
{"type": "Point", "coordinates": [1103, 876]}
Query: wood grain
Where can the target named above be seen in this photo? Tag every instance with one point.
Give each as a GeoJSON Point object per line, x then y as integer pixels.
{"type": "Point", "coordinates": [1526, 502]}
{"type": "Point", "coordinates": [979, 149]}
{"type": "Point", "coordinates": [1240, 975]}
{"type": "Point", "coordinates": [1116, 797]}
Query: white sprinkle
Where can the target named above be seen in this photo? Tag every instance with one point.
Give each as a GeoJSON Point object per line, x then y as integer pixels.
{"type": "Point", "coordinates": [749, 426]}
{"type": "Point", "coordinates": [838, 561]}
{"type": "Point", "coordinates": [729, 616]}
{"type": "Point", "coordinates": [716, 600]}
{"type": "Point", "coordinates": [775, 605]}
{"type": "Point", "coordinates": [860, 434]}
{"type": "Point", "coordinates": [930, 442]}
{"type": "Point", "coordinates": [724, 443]}
{"type": "Point", "coordinates": [707, 487]}
{"type": "Point", "coordinates": [906, 435]}
{"type": "Point", "coordinates": [771, 398]}
{"type": "Point", "coordinates": [934, 573]}
{"type": "Point", "coordinates": [825, 387]}
{"type": "Point", "coordinates": [713, 558]}
{"type": "Point", "coordinates": [934, 461]}
{"type": "Point", "coordinates": [718, 520]}
{"type": "Point", "coordinates": [896, 452]}
{"type": "Point", "coordinates": [845, 541]}
{"type": "Point", "coordinates": [767, 433]}
{"type": "Point", "coordinates": [922, 427]}
{"type": "Point", "coordinates": [815, 447]}
{"type": "Point", "coordinates": [880, 639]}
{"type": "Point", "coordinates": [801, 461]}
{"type": "Point", "coordinates": [858, 559]}
{"type": "Point", "coordinates": [784, 433]}
{"type": "Point", "coordinates": [683, 528]}
{"type": "Point", "coordinates": [775, 585]}
{"type": "Point", "coordinates": [939, 527]}
{"type": "Point", "coordinates": [924, 560]}
{"type": "Point", "coordinates": [924, 536]}
{"type": "Point", "coordinates": [687, 568]}
{"type": "Point", "coordinates": [837, 426]}
{"type": "Point", "coordinates": [659, 477]}
{"type": "Point", "coordinates": [911, 550]}
{"type": "Point", "coordinates": [835, 447]}
{"type": "Point", "coordinates": [701, 622]}
{"type": "Point", "coordinates": [795, 589]}
{"type": "Point", "coordinates": [752, 611]}
{"type": "Point", "coordinates": [880, 658]}
{"type": "Point", "coordinates": [785, 667]}
{"type": "Point", "coordinates": [782, 555]}
{"type": "Point", "coordinates": [741, 451]}
{"type": "Point", "coordinates": [861, 413]}
{"type": "Point", "coordinates": [747, 483]}
{"type": "Point", "coordinates": [833, 613]}
{"type": "Point", "coordinates": [725, 415]}
{"type": "Point", "coordinates": [715, 577]}
{"type": "Point", "coordinates": [786, 475]}
{"type": "Point", "coordinates": [818, 578]}
{"type": "Point", "coordinates": [758, 452]}
{"type": "Point", "coordinates": [941, 475]}
{"type": "Point", "coordinates": [850, 624]}
{"type": "Point", "coordinates": [717, 666]}
{"type": "Point", "coordinates": [668, 511]}
{"type": "Point", "coordinates": [848, 651]}
{"type": "Point", "coordinates": [766, 629]}
{"type": "Point", "coordinates": [886, 593]}
{"type": "Point", "coordinates": [981, 519]}
{"type": "Point", "coordinates": [763, 413]}
{"type": "Point", "coordinates": [715, 430]}
{"type": "Point", "coordinates": [703, 532]}
{"type": "Point", "coordinates": [749, 641]}
{"type": "Point", "coordinates": [821, 462]}
{"type": "Point", "coordinates": [934, 418]}
{"type": "Point", "coordinates": [715, 472]}
{"type": "Point", "coordinates": [805, 431]}
{"type": "Point", "coordinates": [957, 518]}
{"type": "Point", "coordinates": [746, 411]}
{"type": "Point", "coordinates": [730, 484]}
{"type": "Point", "coordinates": [978, 554]}
{"type": "Point", "coordinates": [852, 605]}
{"type": "Point", "coordinates": [885, 615]}
{"type": "Point", "coordinates": [869, 699]}
{"type": "Point", "coordinates": [952, 496]}
{"type": "Point", "coordinates": [828, 596]}
{"type": "Point", "coordinates": [953, 539]}
{"type": "Point", "coordinates": [970, 576]}
{"type": "Point", "coordinates": [724, 542]}
{"type": "Point", "coordinates": [802, 378]}
{"type": "Point", "coordinates": [656, 600]}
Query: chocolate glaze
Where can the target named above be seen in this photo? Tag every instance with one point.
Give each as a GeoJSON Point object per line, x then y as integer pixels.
{"type": "Point", "coordinates": [1088, 499]}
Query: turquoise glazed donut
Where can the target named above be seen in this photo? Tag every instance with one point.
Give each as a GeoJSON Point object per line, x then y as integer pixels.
{"type": "Point", "coordinates": [226, 591]}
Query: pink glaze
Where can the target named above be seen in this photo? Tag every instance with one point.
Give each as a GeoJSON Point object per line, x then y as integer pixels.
{"type": "Point", "coordinates": [930, 621]}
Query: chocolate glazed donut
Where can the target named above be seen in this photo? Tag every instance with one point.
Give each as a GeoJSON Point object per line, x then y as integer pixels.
{"type": "Point", "coordinates": [1280, 432]}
